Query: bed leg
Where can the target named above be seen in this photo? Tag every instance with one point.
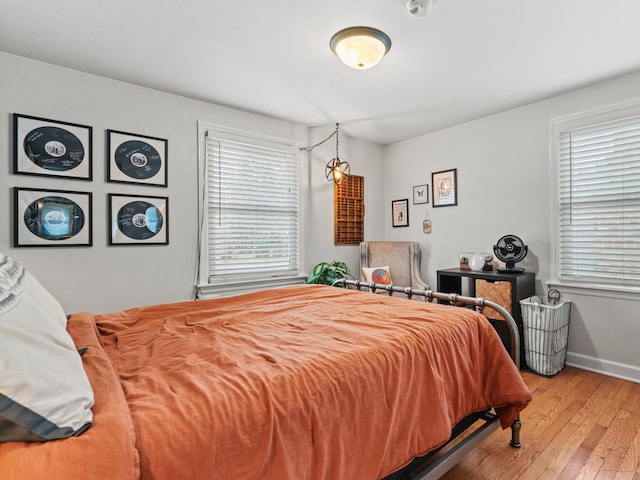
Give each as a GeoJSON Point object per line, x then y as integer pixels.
{"type": "Point", "coordinates": [515, 432]}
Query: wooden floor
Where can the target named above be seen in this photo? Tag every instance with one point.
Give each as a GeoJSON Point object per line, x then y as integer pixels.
{"type": "Point", "coordinates": [580, 425]}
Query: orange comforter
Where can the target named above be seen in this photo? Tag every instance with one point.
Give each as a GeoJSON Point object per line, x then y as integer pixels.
{"type": "Point", "coordinates": [305, 382]}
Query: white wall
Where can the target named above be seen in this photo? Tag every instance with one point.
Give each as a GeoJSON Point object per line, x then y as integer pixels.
{"type": "Point", "coordinates": [504, 186]}
{"type": "Point", "coordinates": [102, 278]}
{"type": "Point", "coordinates": [364, 159]}
{"type": "Point", "coordinates": [106, 278]}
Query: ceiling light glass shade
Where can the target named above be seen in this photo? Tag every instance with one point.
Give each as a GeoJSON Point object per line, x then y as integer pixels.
{"type": "Point", "coordinates": [360, 47]}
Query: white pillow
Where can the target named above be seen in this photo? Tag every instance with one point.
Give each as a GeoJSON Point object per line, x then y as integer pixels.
{"type": "Point", "coordinates": [379, 275]}
{"type": "Point", "coordinates": [44, 391]}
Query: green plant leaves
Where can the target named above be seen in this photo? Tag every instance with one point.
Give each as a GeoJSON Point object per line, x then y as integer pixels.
{"type": "Point", "coordinates": [326, 273]}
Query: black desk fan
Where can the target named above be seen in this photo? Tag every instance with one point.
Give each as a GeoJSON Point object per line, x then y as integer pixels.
{"type": "Point", "coordinates": [511, 250]}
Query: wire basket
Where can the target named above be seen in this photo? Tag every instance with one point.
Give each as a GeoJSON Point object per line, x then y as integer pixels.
{"type": "Point", "coordinates": [546, 332]}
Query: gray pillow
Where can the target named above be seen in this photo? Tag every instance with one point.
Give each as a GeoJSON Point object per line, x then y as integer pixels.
{"type": "Point", "coordinates": [44, 391]}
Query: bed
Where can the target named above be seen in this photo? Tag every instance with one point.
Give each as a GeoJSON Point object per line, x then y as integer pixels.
{"type": "Point", "coordinates": [300, 382]}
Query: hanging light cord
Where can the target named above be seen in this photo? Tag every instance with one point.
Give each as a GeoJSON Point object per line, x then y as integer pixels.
{"type": "Point", "coordinates": [335, 132]}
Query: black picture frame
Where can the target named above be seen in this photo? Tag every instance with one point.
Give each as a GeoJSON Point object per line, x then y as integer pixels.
{"type": "Point", "coordinates": [420, 194]}
{"type": "Point", "coordinates": [400, 213]}
{"type": "Point", "coordinates": [52, 218]}
{"type": "Point", "coordinates": [135, 158]}
{"type": "Point", "coordinates": [138, 219]}
{"type": "Point", "coordinates": [444, 188]}
{"type": "Point", "coordinates": [52, 148]}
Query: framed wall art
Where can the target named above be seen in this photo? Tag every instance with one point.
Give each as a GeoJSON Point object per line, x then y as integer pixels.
{"type": "Point", "coordinates": [400, 212]}
{"type": "Point", "coordinates": [138, 220]}
{"type": "Point", "coordinates": [136, 158]}
{"type": "Point", "coordinates": [52, 218]}
{"type": "Point", "coordinates": [51, 148]}
{"type": "Point", "coordinates": [420, 194]}
{"type": "Point", "coordinates": [444, 186]}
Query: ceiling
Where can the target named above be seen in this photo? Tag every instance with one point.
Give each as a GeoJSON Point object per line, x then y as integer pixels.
{"type": "Point", "coordinates": [466, 59]}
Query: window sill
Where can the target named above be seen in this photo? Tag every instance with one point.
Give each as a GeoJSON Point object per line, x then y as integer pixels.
{"type": "Point", "coordinates": [597, 290]}
{"type": "Point", "coordinates": [225, 289]}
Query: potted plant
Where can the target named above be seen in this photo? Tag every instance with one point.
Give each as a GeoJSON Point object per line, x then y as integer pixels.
{"type": "Point", "coordinates": [326, 273]}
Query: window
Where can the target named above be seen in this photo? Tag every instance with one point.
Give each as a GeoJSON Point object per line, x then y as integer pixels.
{"type": "Point", "coordinates": [250, 224]}
{"type": "Point", "coordinates": [599, 199]}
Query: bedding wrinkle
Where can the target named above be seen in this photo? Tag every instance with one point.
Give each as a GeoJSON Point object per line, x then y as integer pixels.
{"type": "Point", "coordinates": [304, 382]}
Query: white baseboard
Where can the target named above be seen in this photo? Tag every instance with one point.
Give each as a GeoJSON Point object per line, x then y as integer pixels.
{"type": "Point", "coordinates": [612, 369]}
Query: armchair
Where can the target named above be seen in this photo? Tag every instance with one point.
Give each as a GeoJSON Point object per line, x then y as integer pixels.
{"type": "Point", "coordinates": [403, 259]}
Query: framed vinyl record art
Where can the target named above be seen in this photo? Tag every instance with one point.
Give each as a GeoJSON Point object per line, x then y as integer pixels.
{"type": "Point", "coordinates": [52, 218]}
{"type": "Point", "coordinates": [138, 220]}
{"type": "Point", "coordinates": [136, 158]}
{"type": "Point", "coordinates": [51, 148]}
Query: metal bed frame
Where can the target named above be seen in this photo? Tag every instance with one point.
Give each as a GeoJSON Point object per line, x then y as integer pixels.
{"type": "Point", "coordinates": [490, 422]}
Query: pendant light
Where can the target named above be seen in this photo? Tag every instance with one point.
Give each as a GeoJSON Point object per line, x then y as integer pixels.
{"type": "Point", "coordinates": [337, 169]}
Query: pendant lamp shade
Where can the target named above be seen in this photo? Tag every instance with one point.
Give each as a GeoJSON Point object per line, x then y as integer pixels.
{"type": "Point", "coordinates": [360, 47]}
{"type": "Point", "coordinates": [337, 170]}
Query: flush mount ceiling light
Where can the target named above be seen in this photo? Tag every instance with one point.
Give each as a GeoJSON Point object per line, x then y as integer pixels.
{"type": "Point", "coordinates": [360, 47]}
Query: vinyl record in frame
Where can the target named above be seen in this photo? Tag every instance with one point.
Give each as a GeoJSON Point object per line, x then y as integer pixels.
{"type": "Point", "coordinates": [138, 220]}
{"type": "Point", "coordinates": [51, 148]}
{"type": "Point", "coordinates": [136, 158]}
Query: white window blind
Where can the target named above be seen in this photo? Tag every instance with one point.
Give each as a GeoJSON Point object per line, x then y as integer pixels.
{"type": "Point", "coordinates": [252, 208]}
{"type": "Point", "coordinates": [599, 211]}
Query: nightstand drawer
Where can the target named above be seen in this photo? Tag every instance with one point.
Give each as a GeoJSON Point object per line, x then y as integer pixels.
{"type": "Point", "coordinates": [499, 292]}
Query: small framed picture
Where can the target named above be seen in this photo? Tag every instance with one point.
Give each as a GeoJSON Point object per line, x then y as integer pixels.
{"type": "Point", "coordinates": [420, 194]}
{"type": "Point", "coordinates": [400, 212]}
{"type": "Point", "coordinates": [51, 148]}
{"type": "Point", "coordinates": [136, 159]}
{"type": "Point", "coordinates": [138, 220]}
{"type": "Point", "coordinates": [444, 185]}
{"type": "Point", "coordinates": [52, 218]}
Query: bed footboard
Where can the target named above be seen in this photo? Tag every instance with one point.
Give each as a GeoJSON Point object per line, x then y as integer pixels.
{"type": "Point", "coordinates": [489, 421]}
{"type": "Point", "coordinates": [450, 298]}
